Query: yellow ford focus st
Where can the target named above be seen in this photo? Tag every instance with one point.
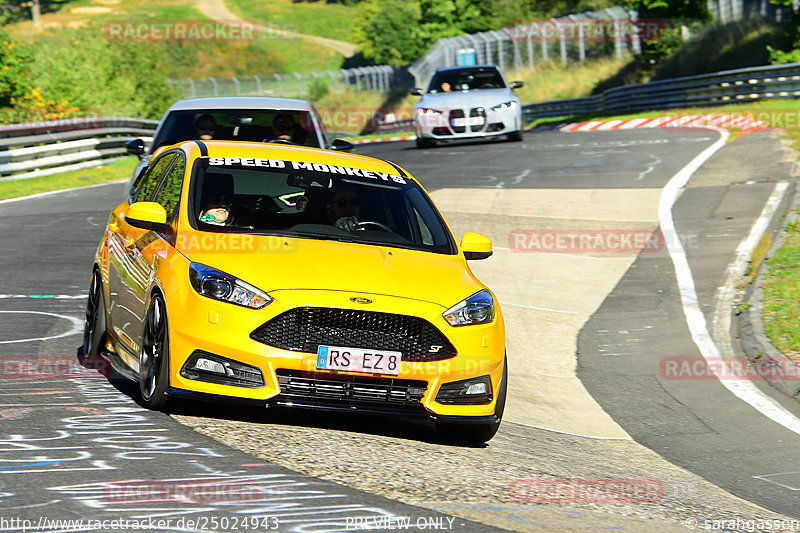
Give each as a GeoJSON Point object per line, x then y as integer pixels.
{"type": "Point", "coordinates": [300, 277]}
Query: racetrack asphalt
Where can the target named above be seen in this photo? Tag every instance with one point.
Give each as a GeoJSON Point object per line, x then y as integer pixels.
{"type": "Point", "coordinates": [549, 182]}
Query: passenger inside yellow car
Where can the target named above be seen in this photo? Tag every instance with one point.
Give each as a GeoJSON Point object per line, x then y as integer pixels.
{"type": "Point", "coordinates": [218, 199]}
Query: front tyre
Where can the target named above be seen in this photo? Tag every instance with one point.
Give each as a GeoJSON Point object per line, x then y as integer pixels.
{"type": "Point", "coordinates": [154, 357]}
{"type": "Point", "coordinates": [94, 326]}
{"type": "Point", "coordinates": [515, 136]}
{"type": "Point", "coordinates": [477, 433]}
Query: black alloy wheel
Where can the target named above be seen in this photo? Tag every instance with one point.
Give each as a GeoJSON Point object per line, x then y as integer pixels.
{"type": "Point", "coordinates": [94, 326]}
{"type": "Point", "coordinates": [154, 357]}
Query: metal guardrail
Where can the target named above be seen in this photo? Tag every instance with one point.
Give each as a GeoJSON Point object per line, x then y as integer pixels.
{"type": "Point", "coordinates": [720, 88]}
{"type": "Point", "coordinates": [44, 148]}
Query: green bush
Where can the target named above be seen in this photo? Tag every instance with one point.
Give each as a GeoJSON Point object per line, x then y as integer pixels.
{"type": "Point", "coordinates": [14, 81]}
{"type": "Point", "coordinates": [318, 89]}
{"type": "Point", "coordinates": [93, 74]}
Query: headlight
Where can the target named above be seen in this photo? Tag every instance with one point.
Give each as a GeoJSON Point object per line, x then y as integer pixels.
{"type": "Point", "coordinates": [422, 111]}
{"type": "Point", "coordinates": [218, 285]}
{"type": "Point", "coordinates": [477, 309]}
{"type": "Point", "coordinates": [505, 106]}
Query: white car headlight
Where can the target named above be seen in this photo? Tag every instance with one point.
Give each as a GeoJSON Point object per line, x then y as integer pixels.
{"type": "Point", "coordinates": [423, 111]}
{"type": "Point", "coordinates": [477, 309]}
{"type": "Point", "coordinates": [505, 106]}
{"type": "Point", "coordinates": [215, 284]}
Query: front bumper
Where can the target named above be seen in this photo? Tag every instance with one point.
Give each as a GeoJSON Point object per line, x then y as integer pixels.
{"type": "Point", "coordinates": [291, 379]}
{"type": "Point", "coordinates": [467, 123]}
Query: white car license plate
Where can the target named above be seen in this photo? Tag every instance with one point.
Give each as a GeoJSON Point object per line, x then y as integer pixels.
{"type": "Point", "coordinates": [469, 121]}
{"type": "Point", "coordinates": [359, 360]}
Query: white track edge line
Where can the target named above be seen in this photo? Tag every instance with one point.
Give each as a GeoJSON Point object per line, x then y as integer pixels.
{"type": "Point", "coordinates": [695, 319]}
{"type": "Point", "coordinates": [49, 193]}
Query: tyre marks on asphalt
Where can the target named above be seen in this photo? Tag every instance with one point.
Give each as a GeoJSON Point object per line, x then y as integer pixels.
{"type": "Point", "coordinates": [79, 447]}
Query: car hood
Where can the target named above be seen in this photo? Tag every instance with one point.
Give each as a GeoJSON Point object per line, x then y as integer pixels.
{"type": "Point", "coordinates": [275, 263]}
{"type": "Point", "coordinates": [480, 98]}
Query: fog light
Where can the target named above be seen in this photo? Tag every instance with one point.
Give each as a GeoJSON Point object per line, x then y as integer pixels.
{"type": "Point", "coordinates": [208, 365]}
{"type": "Point", "coordinates": [473, 391]}
{"type": "Point", "coordinates": [478, 388]}
{"type": "Point", "coordinates": [211, 368]}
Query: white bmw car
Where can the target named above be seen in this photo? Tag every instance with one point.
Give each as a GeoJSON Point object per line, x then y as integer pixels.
{"type": "Point", "coordinates": [467, 102]}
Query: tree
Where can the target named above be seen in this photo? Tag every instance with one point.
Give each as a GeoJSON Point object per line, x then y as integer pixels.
{"type": "Point", "coordinates": [389, 32]}
{"type": "Point", "coordinates": [93, 74]}
{"type": "Point", "coordinates": [13, 69]}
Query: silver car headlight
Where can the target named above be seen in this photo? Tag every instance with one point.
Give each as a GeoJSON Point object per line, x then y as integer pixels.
{"type": "Point", "coordinates": [218, 285]}
{"type": "Point", "coordinates": [477, 309]}
{"type": "Point", "coordinates": [505, 106]}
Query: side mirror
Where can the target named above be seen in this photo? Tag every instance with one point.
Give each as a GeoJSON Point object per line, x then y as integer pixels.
{"type": "Point", "coordinates": [135, 146]}
{"type": "Point", "coordinates": [148, 215]}
{"type": "Point", "coordinates": [416, 91]}
{"type": "Point", "coordinates": [476, 246]}
{"type": "Point", "coordinates": [341, 145]}
{"type": "Point", "coordinates": [517, 84]}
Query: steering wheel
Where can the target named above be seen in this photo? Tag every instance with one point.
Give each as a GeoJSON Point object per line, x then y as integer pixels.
{"type": "Point", "coordinates": [361, 226]}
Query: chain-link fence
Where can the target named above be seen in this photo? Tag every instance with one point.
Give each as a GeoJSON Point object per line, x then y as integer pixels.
{"type": "Point", "coordinates": [592, 34]}
{"type": "Point", "coordinates": [296, 84]}
{"type": "Point", "coordinates": [731, 10]}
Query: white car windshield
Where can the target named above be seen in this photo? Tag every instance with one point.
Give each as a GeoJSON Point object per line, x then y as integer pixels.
{"type": "Point", "coordinates": [313, 200]}
{"type": "Point", "coordinates": [466, 80]}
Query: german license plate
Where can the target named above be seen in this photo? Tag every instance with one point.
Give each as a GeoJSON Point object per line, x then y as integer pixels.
{"type": "Point", "coordinates": [358, 360]}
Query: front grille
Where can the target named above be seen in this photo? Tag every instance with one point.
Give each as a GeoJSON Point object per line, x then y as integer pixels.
{"type": "Point", "coordinates": [349, 390]}
{"type": "Point", "coordinates": [457, 114]}
{"type": "Point", "coordinates": [477, 112]}
{"type": "Point", "coordinates": [304, 329]}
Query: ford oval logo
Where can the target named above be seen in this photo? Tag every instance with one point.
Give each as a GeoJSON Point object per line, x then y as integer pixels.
{"type": "Point", "coordinates": [360, 300]}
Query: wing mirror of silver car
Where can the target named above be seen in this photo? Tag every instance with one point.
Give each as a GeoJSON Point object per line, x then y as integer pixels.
{"type": "Point", "coordinates": [340, 145]}
{"type": "Point", "coordinates": [135, 146]}
{"type": "Point", "coordinates": [416, 91]}
{"type": "Point", "coordinates": [517, 84]}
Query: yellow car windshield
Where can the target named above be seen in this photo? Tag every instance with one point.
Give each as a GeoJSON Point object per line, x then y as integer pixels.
{"type": "Point", "coordinates": [302, 199]}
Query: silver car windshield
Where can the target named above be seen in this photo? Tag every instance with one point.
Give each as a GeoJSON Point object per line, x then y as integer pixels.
{"type": "Point", "coordinates": [296, 127]}
{"type": "Point", "coordinates": [306, 200]}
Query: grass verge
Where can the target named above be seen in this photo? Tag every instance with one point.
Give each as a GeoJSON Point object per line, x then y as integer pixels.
{"type": "Point", "coordinates": [119, 170]}
{"type": "Point", "coordinates": [781, 303]}
{"type": "Point", "coordinates": [263, 54]}
{"type": "Point", "coordinates": [331, 20]}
